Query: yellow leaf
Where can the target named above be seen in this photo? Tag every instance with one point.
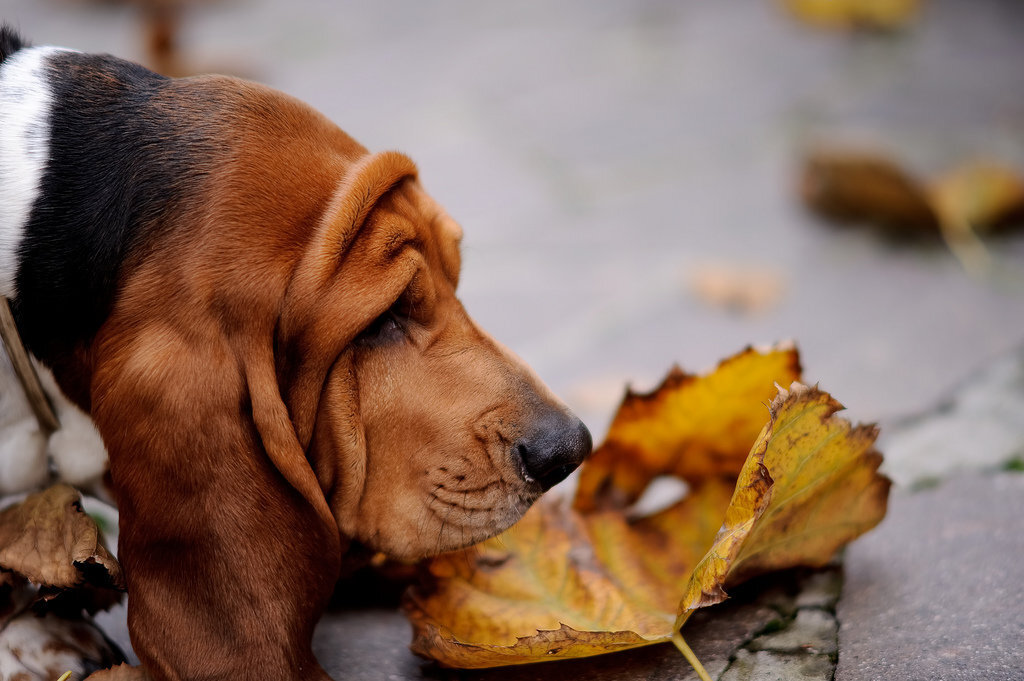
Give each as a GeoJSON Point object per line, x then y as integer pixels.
{"type": "Point", "coordinates": [844, 14]}
{"type": "Point", "coordinates": [564, 583]}
{"type": "Point", "coordinates": [810, 486]}
{"type": "Point", "coordinates": [692, 427]}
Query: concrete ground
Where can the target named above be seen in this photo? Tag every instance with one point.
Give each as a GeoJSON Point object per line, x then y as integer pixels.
{"type": "Point", "coordinates": [599, 156]}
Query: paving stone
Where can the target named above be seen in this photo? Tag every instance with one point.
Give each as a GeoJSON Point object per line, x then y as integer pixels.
{"type": "Point", "coordinates": [372, 645]}
{"type": "Point", "coordinates": [821, 589]}
{"type": "Point", "coordinates": [813, 630]}
{"type": "Point", "coordinates": [770, 666]}
{"type": "Point", "coordinates": [981, 425]}
{"type": "Point", "coordinates": [935, 591]}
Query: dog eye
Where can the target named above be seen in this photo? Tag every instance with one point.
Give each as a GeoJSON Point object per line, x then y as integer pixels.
{"type": "Point", "coordinates": [387, 327]}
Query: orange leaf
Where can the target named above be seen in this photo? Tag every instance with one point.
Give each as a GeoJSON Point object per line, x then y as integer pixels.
{"type": "Point", "coordinates": [693, 427]}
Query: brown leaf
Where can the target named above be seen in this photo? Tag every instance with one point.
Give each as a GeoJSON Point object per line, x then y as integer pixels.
{"type": "Point", "coordinates": [51, 541]}
{"type": "Point", "coordinates": [848, 185]}
{"type": "Point", "coordinates": [972, 199]}
{"type": "Point", "coordinates": [692, 427]}
{"type": "Point", "coordinates": [564, 583]}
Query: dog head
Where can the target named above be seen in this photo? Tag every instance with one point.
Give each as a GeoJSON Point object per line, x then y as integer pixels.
{"type": "Point", "coordinates": [426, 433]}
{"type": "Point", "coordinates": [286, 367]}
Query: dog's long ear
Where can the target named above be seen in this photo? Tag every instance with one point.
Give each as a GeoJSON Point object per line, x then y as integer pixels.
{"type": "Point", "coordinates": [229, 546]}
{"type": "Point", "coordinates": [338, 288]}
{"type": "Point", "coordinates": [228, 543]}
{"type": "Point", "coordinates": [228, 565]}
{"type": "Point", "coordinates": [320, 315]}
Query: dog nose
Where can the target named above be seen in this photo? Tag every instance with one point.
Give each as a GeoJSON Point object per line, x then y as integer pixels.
{"type": "Point", "coordinates": [558, 444]}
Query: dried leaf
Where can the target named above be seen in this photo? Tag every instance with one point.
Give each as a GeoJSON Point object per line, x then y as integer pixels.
{"type": "Point", "coordinates": [51, 541]}
{"type": "Point", "coordinates": [974, 198]}
{"type": "Point", "coordinates": [810, 486]}
{"type": "Point", "coordinates": [887, 15]}
{"type": "Point", "coordinates": [981, 195]}
{"type": "Point", "coordinates": [848, 185]}
{"type": "Point", "coordinates": [693, 427]}
{"type": "Point", "coordinates": [742, 288]}
{"type": "Point", "coordinates": [564, 583]}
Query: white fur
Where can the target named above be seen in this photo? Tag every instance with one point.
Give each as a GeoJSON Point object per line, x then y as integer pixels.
{"type": "Point", "coordinates": [23, 464]}
{"type": "Point", "coordinates": [76, 449]}
{"type": "Point", "coordinates": [75, 452]}
{"type": "Point", "coordinates": [25, 103]}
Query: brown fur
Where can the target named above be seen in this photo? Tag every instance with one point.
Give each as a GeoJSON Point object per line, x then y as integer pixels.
{"type": "Point", "coordinates": [254, 432]}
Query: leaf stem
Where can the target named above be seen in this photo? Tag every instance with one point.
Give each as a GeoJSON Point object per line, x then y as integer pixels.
{"type": "Point", "coordinates": [684, 648]}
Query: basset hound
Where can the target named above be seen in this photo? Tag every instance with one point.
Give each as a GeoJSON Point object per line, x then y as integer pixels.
{"type": "Point", "coordinates": [260, 317]}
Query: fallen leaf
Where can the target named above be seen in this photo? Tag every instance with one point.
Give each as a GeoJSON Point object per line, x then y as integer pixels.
{"type": "Point", "coordinates": [568, 583]}
{"type": "Point", "coordinates": [886, 15]}
{"type": "Point", "coordinates": [810, 486]}
{"type": "Point", "coordinates": [848, 185]}
{"type": "Point", "coordinates": [51, 541]}
{"type": "Point", "coordinates": [749, 289]}
{"type": "Point", "coordinates": [562, 584]}
{"type": "Point", "coordinates": [692, 427]}
{"type": "Point", "coordinates": [981, 195]}
{"type": "Point", "coordinates": [973, 198]}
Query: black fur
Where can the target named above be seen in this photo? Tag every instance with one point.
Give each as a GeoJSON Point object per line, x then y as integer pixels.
{"type": "Point", "coordinates": [119, 159]}
{"type": "Point", "coordinates": [10, 42]}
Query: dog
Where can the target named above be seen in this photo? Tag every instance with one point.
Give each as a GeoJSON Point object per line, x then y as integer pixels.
{"type": "Point", "coordinates": [260, 317]}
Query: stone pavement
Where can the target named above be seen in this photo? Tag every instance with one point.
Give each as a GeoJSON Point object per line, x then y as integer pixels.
{"type": "Point", "coordinates": [599, 153]}
{"type": "Point", "coordinates": [937, 591]}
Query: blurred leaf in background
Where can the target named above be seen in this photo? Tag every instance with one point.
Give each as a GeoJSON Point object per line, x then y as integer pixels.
{"type": "Point", "coordinates": [884, 15]}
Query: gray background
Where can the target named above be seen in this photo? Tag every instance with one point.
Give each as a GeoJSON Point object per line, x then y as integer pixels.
{"type": "Point", "coordinates": [598, 153]}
